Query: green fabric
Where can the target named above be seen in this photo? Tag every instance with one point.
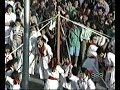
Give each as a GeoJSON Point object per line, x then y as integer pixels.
{"type": "Point", "coordinates": [74, 36]}
{"type": "Point", "coordinates": [71, 11]}
{"type": "Point", "coordinates": [85, 34]}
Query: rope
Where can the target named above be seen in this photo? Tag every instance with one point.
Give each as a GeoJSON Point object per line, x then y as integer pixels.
{"type": "Point", "coordinates": [15, 49]}
{"type": "Point", "coordinates": [48, 19]}
{"type": "Point", "coordinates": [83, 26]}
{"type": "Point", "coordinates": [7, 36]}
{"type": "Point", "coordinates": [38, 31]}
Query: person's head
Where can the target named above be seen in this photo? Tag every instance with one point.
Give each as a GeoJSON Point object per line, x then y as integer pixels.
{"type": "Point", "coordinates": [93, 38]}
{"type": "Point", "coordinates": [43, 32]}
{"type": "Point", "coordinates": [69, 4]}
{"type": "Point", "coordinates": [9, 65]}
{"type": "Point", "coordinates": [40, 41]}
{"type": "Point", "coordinates": [67, 16]}
{"type": "Point", "coordinates": [18, 22]}
{"type": "Point", "coordinates": [110, 21]}
{"type": "Point", "coordinates": [8, 48]}
{"type": "Point", "coordinates": [88, 11]}
{"type": "Point", "coordinates": [85, 4]}
{"type": "Point", "coordinates": [102, 20]}
{"type": "Point", "coordinates": [100, 11]}
{"type": "Point", "coordinates": [83, 73]}
{"type": "Point", "coordinates": [100, 1]}
{"type": "Point", "coordinates": [110, 15]}
{"type": "Point", "coordinates": [34, 1]}
{"type": "Point", "coordinates": [53, 63]}
{"type": "Point", "coordinates": [75, 71]}
{"type": "Point", "coordinates": [9, 9]}
{"type": "Point", "coordinates": [33, 27]}
{"type": "Point", "coordinates": [18, 11]}
{"type": "Point", "coordinates": [94, 26]}
{"type": "Point", "coordinates": [85, 18]}
{"type": "Point", "coordinates": [66, 60]}
{"type": "Point", "coordinates": [18, 4]}
{"type": "Point", "coordinates": [76, 3]}
{"type": "Point", "coordinates": [88, 23]}
{"type": "Point", "coordinates": [15, 74]}
{"type": "Point", "coordinates": [42, 4]}
{"type": "Point", "coordinates": [100, 52]}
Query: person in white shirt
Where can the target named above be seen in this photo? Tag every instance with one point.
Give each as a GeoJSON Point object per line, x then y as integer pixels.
{"type": "Point", "coordinates": [54, 72]}
{"type": "Point", "coordinates": [14, 80]}
{"type": "Point", "coordinates": [17, 37]}
{"type": "Point", "coordinates": [91, 63]}
{"type": "Point", "coordinates": [10, 18]}
{"type": "Point", "coordinates": [112, 45]}
{"type": "Point", "coordinates": [84, 82]}
{"type": "Point", "coordinates": [8, 50]}
{"type": "Point", "coordinates": [8, 70]}
{"type": "Point", "coordinates": [71, 79]}
{"type": "Point", "coordinates": [43, 54]}
{"type": "Point", "coordinates": [110, 73]}
{"type": "Point", "coordinates": [33, 42]}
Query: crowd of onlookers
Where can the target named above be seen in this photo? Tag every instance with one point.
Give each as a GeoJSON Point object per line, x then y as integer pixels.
{"type": "Point", "coordinates": [90, 51]}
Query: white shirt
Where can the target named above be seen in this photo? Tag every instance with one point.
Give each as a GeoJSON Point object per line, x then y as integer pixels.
{"type": "Point", "coordinates": [9, 18]}
{"type": "Point", "coordinates": [56, 73]}
{"type": "Point", "coordinates": [86, 84]}
{"type": "Point", "coordinates": [12, 86]}
{"type": "Point", "coordinates": [8, 57]}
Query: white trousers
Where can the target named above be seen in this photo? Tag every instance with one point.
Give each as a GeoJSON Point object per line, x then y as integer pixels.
{"type": "Point", "coordinates": [51, 84]}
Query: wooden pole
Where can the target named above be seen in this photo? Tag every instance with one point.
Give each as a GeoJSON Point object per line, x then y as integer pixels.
{"type": "Point", "coordinates": [58, 38]}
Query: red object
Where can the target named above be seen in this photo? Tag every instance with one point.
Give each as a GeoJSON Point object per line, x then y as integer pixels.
{"type": "Point", "coordinates": [16, 81]}
{"type": "Point", "coordinates": [41, 50]}
{"type": "Point", "coordinates": [52, 78]}
{"type": "Point", "coordinates": [90, 72]}
{"type": "Point", "coordinates": [90, 43]}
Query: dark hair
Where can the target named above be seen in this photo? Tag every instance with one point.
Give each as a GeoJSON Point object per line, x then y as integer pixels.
{"type": "Point", "coordinates": [100, 50]}
{"type": "Point", "coordinates": [38, 38]}
{"type": "Point", "coordinates": [70, 25]}
{"type": "Point", "coordinates": [9, 64]}
{"type": "Point", "coordinates": [15, 76]}
{"type": "Point", "coordinates": [103, 10]}
{"type": "Point", "coordinates": [92, 36]}
{"type": "Point", "coordinates": [53, 63]}
{"type": "Point", "coordinates": [7, 46]}
{"type": "Point", "coordinates": [42, 39]}
{"type": "Point", "coordinates": [19, 20]}
{"type": "Point", "coordinates": [84, 70]}
{"type": "Point", "coordinates": [9, 6]}
{"type": "Point", "coordinates": [75, 71]}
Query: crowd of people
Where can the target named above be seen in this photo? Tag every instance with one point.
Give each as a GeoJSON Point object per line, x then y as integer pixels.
{"type": "Point", "coordinates": [83, 53]}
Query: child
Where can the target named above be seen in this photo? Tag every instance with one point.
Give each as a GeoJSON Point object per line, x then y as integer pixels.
{"type": "Point", "coordinates": [71, 79]}
{"type": "Point", "coordinates": [110, 73]}
{"type": "Point", "coordinates": [8, 50]}
{"type": "Point", "coordinates": [84, 81]}
{"type": "Point", "coordinates": [54, 72]}
{"type": "Point", "coordinates": [14, 80]}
